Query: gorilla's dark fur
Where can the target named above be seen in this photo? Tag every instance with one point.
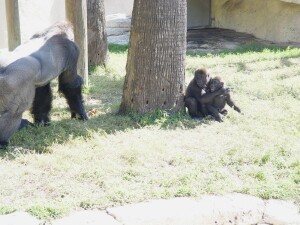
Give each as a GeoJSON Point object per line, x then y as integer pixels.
{"type": "Point", "coordinates": [216, 107]}
{"type": "Point", "coordinates": [25, 76]}
{"type": "Point", "coordinates": [197, 97]}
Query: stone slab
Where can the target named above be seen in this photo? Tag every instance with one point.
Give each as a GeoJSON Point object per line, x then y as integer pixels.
{"type": "Point", "coordinates": [227, 210]}
{"type": "Point", "coordinates": [116, 31]}
{"type": "Point", "coordinates": [280, 212]}
{"type": "Point", "coordinates": [88, 217]}
{"type": "Point", "coordinates": [19, 218]}
{"type": "Point", "coordinates": [121, 39]}
{"type": "Point", "coordinates": [118, 21]}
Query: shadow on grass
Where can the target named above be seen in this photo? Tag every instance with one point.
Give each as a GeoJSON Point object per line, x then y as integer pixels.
{"type": "Point", "coordinates": [246, 48]}
{"type": "Point", "coordinates": [115, 48]}
{"type": "Point", "coordinates": [38, 139]}
{"type": "Point", "coordinates": [107, 92]}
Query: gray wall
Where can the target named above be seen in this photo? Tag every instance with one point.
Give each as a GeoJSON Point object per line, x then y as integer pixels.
{"type": "Point", "coordinates": [198, 13]}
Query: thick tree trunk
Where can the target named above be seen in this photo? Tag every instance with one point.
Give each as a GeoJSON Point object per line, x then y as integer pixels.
{"type": "Point", "coordinates": [76, 12]}
{"type": "Point", "coordinates": [97, 37]}
{"type": "Point", "coordinates": [13, 24]}
{"type": "Point", "coordinates": [155, 71]}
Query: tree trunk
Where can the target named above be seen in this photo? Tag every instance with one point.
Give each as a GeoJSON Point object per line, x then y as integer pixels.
{"type": "Point", "coordinates": [76, 12]}
{"type": "Point", "coordinates": [155, 71]}
{"type": "Point", "coordinates": [97, 37]}
{"type": "Point", "coordinates": [13, 24]}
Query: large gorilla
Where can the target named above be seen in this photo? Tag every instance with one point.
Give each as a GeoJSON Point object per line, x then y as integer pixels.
{"type": "Point", "coordinates": [25, 76]}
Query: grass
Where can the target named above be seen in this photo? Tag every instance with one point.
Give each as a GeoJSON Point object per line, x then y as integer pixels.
{"type": "Point", "coordinates": [113, 160]}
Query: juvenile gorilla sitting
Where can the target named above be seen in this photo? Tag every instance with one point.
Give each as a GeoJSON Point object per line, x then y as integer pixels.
{"type": "Point", "coordinates": [196, 97]}
{"type": "Point", "coordinates": [25, 76]}
{"type": "Point", "coordinates": [216, 107]}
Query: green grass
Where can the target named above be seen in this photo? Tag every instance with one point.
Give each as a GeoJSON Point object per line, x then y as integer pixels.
{"type": "Point", "coordinates": [113, 160]}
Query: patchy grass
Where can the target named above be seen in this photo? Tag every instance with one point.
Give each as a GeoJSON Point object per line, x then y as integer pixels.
{"type": "Point", "coordinates": [113, 160]}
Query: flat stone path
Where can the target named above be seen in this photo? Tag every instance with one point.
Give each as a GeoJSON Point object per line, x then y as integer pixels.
{"type": "Point", "coordinates": [230, 209]}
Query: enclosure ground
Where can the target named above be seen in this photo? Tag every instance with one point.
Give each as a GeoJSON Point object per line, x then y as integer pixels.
{"type": "Point", "coordinates": [114, 160]}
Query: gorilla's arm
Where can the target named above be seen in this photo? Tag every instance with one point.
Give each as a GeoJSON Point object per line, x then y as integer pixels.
{"type": "Point", "coordinates": [231, 103]}
{"type": "Point", "coordinates": [215, 113]}
{"type": "Point", "coordinates": [209, 97]}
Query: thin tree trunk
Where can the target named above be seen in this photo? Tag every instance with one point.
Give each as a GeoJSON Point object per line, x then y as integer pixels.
{"type": "Point", "coordinates": [13, 24]}
{"type": "Point", "coordinates": [97, 37]}
{"type": "Point", "coordinates": [76, 12]}
{"type": "Point", "coordinates": [155, 71]}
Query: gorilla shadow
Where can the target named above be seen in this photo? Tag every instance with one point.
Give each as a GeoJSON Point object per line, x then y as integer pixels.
{"type": "Point", "coordinates": [39, 139]}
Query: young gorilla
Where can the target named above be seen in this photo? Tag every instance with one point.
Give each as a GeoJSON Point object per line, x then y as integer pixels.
{"type": "Point", "coordinates": [25, 76]}
{"type": "Point", "coordinates": [217, 106]}
{"type": "Point", "coordinates": [196, 97]}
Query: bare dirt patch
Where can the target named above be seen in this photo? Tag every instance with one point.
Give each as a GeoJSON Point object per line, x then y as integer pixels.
{"type": "Point", "coordinates": [214, 40]}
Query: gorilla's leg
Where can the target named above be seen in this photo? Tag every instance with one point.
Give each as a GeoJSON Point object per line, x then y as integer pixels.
{"type": "Point", "coordinates": [215, 113]}
{"type": "Point", "coordinates": [42, 105]}
{"type": "Point", "coordinates": [224, 112]}
{"type": "Point", "coordinates": [73, 93]}
{"type": "Point", "coordinates": [24, 123]}
{"type": "Point", "coordinates": [9, 124]}
{"type": "Point", "coordinates": [193, 107]}
{"type": "Point", "coordinates": [70, 84]}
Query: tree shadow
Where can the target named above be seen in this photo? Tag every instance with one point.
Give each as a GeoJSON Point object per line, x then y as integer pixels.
{"type": "Point", "coordinates": [106, 91]}
{"type": "Point", "coordinates": [116, 48]}
{"type": "Point", "coordinates": [37, 140]}
{"type": "Point", "coordinates": [245, 48]}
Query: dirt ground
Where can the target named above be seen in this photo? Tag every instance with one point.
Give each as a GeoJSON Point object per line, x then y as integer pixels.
{"type": "Point", "coordinates": [213, 40]}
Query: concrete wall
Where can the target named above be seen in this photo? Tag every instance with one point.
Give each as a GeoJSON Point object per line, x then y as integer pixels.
{"type": "Point", "coordinates": [118, 6]}
{"type": "Point", "coordinates": [273, 20]}
{"type": "Point", "coordinates": [36, 15]}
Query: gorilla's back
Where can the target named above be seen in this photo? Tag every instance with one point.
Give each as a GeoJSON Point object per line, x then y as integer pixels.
{"type": "Point", "coordinates": [62, 28]}
{"type": "Point", "coordinates": [50, 48]}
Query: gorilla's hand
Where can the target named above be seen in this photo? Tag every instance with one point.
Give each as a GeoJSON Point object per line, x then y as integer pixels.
{"type": "Point", "coordinates": [224, 91]}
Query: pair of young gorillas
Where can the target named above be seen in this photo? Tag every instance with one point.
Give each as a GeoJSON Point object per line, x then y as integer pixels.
{"type": "Point", "coordinates": [208, 96]}
{"type": "Point", "coordinates": [25, 76]}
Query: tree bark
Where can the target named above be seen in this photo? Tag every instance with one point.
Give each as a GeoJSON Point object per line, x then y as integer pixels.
{"type": "Point", "coordinates": [155, 71]}
{"type": "Point", "coordinates": [13, 24]}
{"type": "Point", "coordinates": [76, 13]}
{"type": "Point", "coordinates": [97, 36]}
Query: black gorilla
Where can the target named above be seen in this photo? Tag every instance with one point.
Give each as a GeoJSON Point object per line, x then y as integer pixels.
{"type": "Point", "coordinates": [25, 76]}
{"type": "Point", "coordinates": [197, 97]}
{"type": "Point", "coordinates": [216, 108]}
